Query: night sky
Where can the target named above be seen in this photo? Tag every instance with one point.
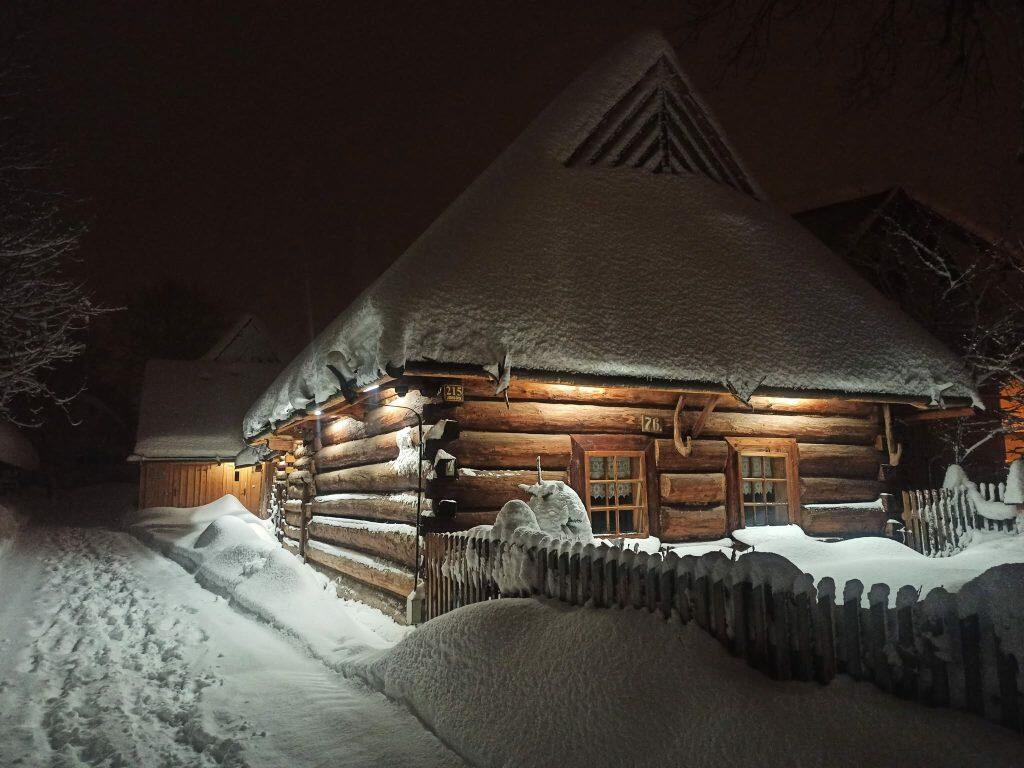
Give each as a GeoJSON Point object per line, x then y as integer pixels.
{"type": "Point", "coordinates": [268, 151]}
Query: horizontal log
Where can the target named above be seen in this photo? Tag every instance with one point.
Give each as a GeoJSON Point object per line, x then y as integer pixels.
{"type": "Point", "coordinates": [382, 419]}
{"type": "Point", "coordinates": [300, 477]}
{"type": "Point", "coordinates": [506, 450]}
{"type": "Point", "coordinates": [366, 450]}
{"type": "Point", "coordinates": [291, 546]}
{"type": "Point", "coordinates": [567, 393]}
{"type": "Point", "coordinates": [293, 505]}
{"type": "Point", "coordinates": [372, 478]}
{"type": "Point", "coordinates": [705, 456]}
{"type": "Point", "coordinates": [398, 508]}
{"type": "Point", "coordinates": [303, 462]}
{"type": "Point", "coordinates": [348, 588]}
{"type": "Point", "coordinates": [483, 415]}
{"type": "Point", "coordinates": [394, 542]}
{"type": "Point", "coordinates": [833, 490]}
{"type": "Point", "coordinates": [834, 460]}
{"type": "Point", "coordinates": [486, 489]}
{"type": "Point", "coordinates": [299, 492]}
{"type": "Point", "coordinates": [301, 449]}
{"type": "Point", "coordinates": [843, 521]}
{"type": "Point", "coordinates": [281, 475]}
{"type": "Point", "coordinates": [373, 571]}
{"type": "Point", "coordinates": [293, 518]}
{"type": "Point", "coordinates": [292, 532]}
{"type": "Point", "coordinates": [693, 523]}
{"type": "Point", "coordinates": [694, 489]}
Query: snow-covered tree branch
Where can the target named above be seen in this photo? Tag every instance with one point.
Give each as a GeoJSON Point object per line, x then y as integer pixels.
{"type": "Point", "coordinates": [41, 312]}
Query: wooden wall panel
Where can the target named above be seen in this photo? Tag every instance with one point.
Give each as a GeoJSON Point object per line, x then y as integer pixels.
{"type": "Point", "coordinates": [193, 484]}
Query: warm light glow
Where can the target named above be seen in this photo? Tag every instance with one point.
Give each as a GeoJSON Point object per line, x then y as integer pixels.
{"type": "Point", "coordinates": [371, 388]}
{"type": "Point", "coordinates": [318, 412]}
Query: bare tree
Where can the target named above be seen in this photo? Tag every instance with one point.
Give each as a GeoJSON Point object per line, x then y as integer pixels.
{"type": "Point", "coordinates": [41, 312]}
{"type": "Point", "coordinates": [953, 44]}
{"type": "Point", "coordinates": [966, 291]}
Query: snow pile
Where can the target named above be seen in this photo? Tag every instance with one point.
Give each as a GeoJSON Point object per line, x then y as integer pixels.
{"type": "Point", "coordinates": [10, 521]}
{"type": "Point", "coordinates": [536, 683]}
{"type": "Point", "coordinates": [232, 552]}
{"type": "Point", "coordinates": [988, 508]}
{"type": "Point", "coordinates": [559, 510]}
{"type": "Point", "coordinates": [876, 560]}
{"type": "Point", "coordinates": [1014, 493]}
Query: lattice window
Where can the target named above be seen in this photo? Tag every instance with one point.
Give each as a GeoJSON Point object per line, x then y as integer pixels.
{"type": "Point", "coordinates": [616, 493]}
{"type": "Point", "coordinates": [767, 479]}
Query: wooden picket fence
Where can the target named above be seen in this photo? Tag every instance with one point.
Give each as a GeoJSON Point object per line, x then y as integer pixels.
{"type": "Point", "coordinates": [761, 608]}
{"type": "Point", "coordinates": [937, 521]}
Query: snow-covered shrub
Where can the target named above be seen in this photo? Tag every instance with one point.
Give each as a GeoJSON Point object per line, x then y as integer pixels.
{"type": "Point", "coordinates": [1015, 483]}
{"type": "Point", "coordinates": [514, 515]}
{"type": "Point", "coordinates": [559, 510]}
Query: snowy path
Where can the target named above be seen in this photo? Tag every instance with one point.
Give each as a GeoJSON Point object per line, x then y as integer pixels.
{"type": "Point", "coordinates": [111, 655]}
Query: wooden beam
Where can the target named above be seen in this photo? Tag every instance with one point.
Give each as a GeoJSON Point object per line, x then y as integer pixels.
{"type": "Point", "coordinates": [692, 489]}
{"type": "Point", "coordinates": [372, 478]}
{"type": "Point", "coordinates": [510, 450]}
{"type": "Point", "coordinates": [937, 415]}
{"type": "Point", "coordinates": [486, 490]}
{"type": "Point", "coordinates": [692, 523]}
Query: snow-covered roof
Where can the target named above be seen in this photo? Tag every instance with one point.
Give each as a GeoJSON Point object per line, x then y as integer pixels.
{"type": "Point", "coordinates": [246, 341]}
{"type": "Point", "coordinates": [192, 409]}
{"type": "Point", "coordinates": [590, 246]}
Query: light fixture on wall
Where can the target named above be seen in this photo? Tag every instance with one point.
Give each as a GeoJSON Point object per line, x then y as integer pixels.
{"type": "Point", "coordinates": [318, 412]}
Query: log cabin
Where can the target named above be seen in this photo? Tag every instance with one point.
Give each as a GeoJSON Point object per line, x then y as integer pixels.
{"type": "Point", "coordinates": [616, 296]}
{"type": "Point", "coordinates": [189, 414]}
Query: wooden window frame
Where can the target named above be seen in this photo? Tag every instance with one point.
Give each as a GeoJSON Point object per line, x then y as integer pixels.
{"type": "Point", "coordinates": [585, 445]}
{"type": "Point", "coordinates": [786, 447]}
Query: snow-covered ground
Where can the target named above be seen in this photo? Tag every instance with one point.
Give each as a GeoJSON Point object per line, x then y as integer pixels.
{"type": "Point", "coordinates": [877, 560]}
{"type": "Point", "coordinates": [521, 682]}
{"type": "Point", "coordinates": [112, 655]}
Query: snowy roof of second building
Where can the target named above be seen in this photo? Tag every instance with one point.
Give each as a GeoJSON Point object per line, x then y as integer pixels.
{"type": "Point", "coordinates": [588, 247]}
{"type": "Point", "coordinates": [193, 409]}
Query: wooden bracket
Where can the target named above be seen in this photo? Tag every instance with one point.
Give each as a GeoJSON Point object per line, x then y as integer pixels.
{"type": "Point", "coordinates": [685, 446]}
{"type": "Point", "coordinates": [894, 449]}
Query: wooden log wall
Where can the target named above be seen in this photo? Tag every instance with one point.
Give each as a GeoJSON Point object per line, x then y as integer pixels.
{"type": "Point", "coordinates": [360, 511]}
{"type": "Point", "coordinates": [498, 443]}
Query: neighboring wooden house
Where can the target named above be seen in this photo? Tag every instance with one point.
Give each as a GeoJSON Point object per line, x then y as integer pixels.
{"type": "Point", "coordinates": [613, 295]}
{"type": "Point", "coordinates": [884, 236]}
{"type": "Point", "coordinates": [189, 435]}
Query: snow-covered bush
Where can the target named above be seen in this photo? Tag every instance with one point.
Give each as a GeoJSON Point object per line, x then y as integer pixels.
{"type": "Point", "coordinates": [559, 510]}
{"type": "Point", "coordinates": [515, 515]}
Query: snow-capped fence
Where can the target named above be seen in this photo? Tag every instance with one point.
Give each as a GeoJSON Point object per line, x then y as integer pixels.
{"type": "Point", "coordinates": [954, 650]}
{"type": "Point", "coordinates": [938, 522]}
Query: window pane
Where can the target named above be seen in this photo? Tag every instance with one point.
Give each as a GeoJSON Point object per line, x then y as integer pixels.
{"type": "Point", "coordinates": [597, 468]}
{"type": "Point", "coordinates": [777, 515]}
{"type": "Point", "coordinates": [777, 467]}
{"type": "Point", "coordinates": [626, 521]}
{"type": "Point", "coordinates": [597, 522]}
{"type": "Point", "coordinates": [755, 466]}
{"type": "Point", "coordinates": [624, 494]}
{"type": "Point", "coordinates": [628, 467]}
{"type": "Point", "coordinates": [598, 494]}
{"type": "Point", "coordinates": [748, 492]}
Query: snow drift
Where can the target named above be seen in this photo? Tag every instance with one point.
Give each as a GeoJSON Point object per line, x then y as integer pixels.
{"type": "Point", "coordinates": [233, 553]}
{"type": "Point", "coordinates": [521, 682]}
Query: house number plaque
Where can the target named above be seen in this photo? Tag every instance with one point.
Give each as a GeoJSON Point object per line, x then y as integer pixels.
{"type": "Point", "coordinates": [650, 424]}
{"type": "Point", "coordinates": [452, 393]}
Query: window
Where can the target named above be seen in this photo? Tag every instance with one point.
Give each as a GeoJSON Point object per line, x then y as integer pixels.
{"type": "Point", "coordinates": [616, 493]}
{"type": "Point", "coordinates": [766, 488]}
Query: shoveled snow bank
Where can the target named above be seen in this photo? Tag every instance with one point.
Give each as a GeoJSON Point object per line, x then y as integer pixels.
{"type": "Point", "coordinates": [232, 552]}
{"type": "Point", "coordinates": [519, 682]}
{"type": "Point", "coordinates": [876, 560]}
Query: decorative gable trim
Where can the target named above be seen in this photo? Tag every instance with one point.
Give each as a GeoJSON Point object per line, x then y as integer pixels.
{"type": "Point", "coordinates": [659, 126]}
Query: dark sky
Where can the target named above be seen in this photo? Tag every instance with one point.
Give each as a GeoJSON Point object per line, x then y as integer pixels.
{"type": "Point", "coordinates": [255, 147]}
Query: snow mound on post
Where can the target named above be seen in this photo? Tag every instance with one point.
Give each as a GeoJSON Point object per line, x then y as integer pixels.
{"type": "Point", "coordinates": [532, 683]}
